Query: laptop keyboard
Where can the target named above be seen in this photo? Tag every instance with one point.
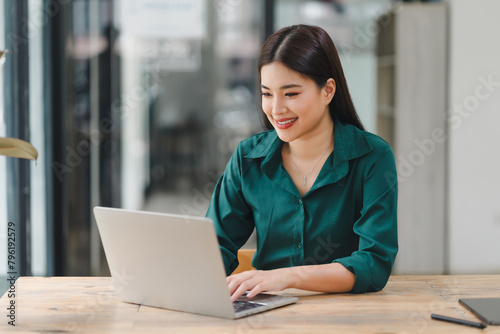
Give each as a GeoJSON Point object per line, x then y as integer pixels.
{"type": "Point", "coordinates": [240, 306]}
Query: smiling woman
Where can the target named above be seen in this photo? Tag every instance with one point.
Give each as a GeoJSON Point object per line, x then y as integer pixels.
{"type": "Point", "coordinates": [320, 191]}
{"type": "Point", "coordinates": [298, 109]}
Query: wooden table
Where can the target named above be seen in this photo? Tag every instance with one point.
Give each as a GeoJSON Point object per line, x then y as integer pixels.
{"type": "Point", "coordinates": [89, 304]}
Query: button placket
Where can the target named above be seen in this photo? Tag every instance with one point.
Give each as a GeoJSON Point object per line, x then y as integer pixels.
{"type": "Point", "coordinates": [300, 244]}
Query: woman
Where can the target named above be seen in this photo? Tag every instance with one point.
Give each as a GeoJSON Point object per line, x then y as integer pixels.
{"type": "Point", "coordinates": [319, 190]}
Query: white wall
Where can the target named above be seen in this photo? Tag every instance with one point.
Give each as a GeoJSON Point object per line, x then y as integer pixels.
{"type": "Point", "coordinates": [420, 112]}
{"type": "Point", "coordinates": [474, 137]}
{"type": "Point", "coordinates": [360, 71]}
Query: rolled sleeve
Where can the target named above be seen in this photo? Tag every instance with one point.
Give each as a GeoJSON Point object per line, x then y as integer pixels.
{"type": "Point", "coordinates": [377, 226]}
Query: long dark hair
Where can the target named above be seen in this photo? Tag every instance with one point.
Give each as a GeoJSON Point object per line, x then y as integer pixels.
{"type": "Point", "coordinates": [310, 51]}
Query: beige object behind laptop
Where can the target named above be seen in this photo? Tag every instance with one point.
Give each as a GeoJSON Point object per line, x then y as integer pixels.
{"type": "Point", "coordinates": [155, 260]}
{"type": "Point", "coordinates": [245, 259]}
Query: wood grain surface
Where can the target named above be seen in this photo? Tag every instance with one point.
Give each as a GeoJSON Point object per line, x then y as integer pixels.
{"type": "Point", "coordinates": [90, 305]}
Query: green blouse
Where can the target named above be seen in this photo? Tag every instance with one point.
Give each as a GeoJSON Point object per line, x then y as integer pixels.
{"type": "Point", "coordinates": [348, 216]}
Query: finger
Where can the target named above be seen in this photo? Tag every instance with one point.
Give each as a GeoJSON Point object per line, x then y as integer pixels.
{"type": "Point", "coordinates": [236, 280]}
{"type": "Point", "coordinates": [232, 286]}
{"type": "Point", "coordinates": [234, 277]}
{"type": "Point", "coordinates": [256, 290]}
{"type": "Point", "coordinates": [244, 286]}
{"type": "Point", "coordinates": [234, 283]}
{"type": "Point", "coordinates": [237, 294]}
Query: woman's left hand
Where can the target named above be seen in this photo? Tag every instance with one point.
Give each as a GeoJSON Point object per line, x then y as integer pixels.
{"type": "Point", "coordinates": [257, 281]}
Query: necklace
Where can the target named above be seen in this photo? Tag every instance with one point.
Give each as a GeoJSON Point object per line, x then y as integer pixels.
{"type": "Point", "coordinates": [317, 162]}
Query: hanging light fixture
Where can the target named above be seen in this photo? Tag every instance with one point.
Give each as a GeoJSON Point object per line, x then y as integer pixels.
{"type": "Point", "coordinates": [12, 147]}
{"type": "Point", "coordinates": [2, 58]}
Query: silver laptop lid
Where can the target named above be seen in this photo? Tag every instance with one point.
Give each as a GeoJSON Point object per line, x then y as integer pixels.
{"type": "Point", "coordinates": [165, 260]}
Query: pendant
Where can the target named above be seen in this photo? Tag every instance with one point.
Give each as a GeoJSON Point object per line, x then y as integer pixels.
{"type": "Point", "coordinates": [304, 180]}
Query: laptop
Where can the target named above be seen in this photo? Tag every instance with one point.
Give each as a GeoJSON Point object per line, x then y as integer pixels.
{"type": "Point", "coordinates": [173, 262]}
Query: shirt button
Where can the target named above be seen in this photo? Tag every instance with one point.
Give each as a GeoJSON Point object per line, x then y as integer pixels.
{"type": "Point", "coordinates": [300, 245]}
{"type": "Point", "coordinates": [300, 201]}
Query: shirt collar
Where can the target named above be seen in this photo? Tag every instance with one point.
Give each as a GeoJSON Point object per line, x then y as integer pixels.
{"type": "Point", "coordinates": [350, 143]}
{"type": "Point", "coordinates": [269, 148]}
{"type": "Point", "coordinates": [269, 144]}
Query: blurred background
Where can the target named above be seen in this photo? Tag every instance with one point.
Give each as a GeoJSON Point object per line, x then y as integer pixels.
{"type": "Point", "coordinates": [139, 105]}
